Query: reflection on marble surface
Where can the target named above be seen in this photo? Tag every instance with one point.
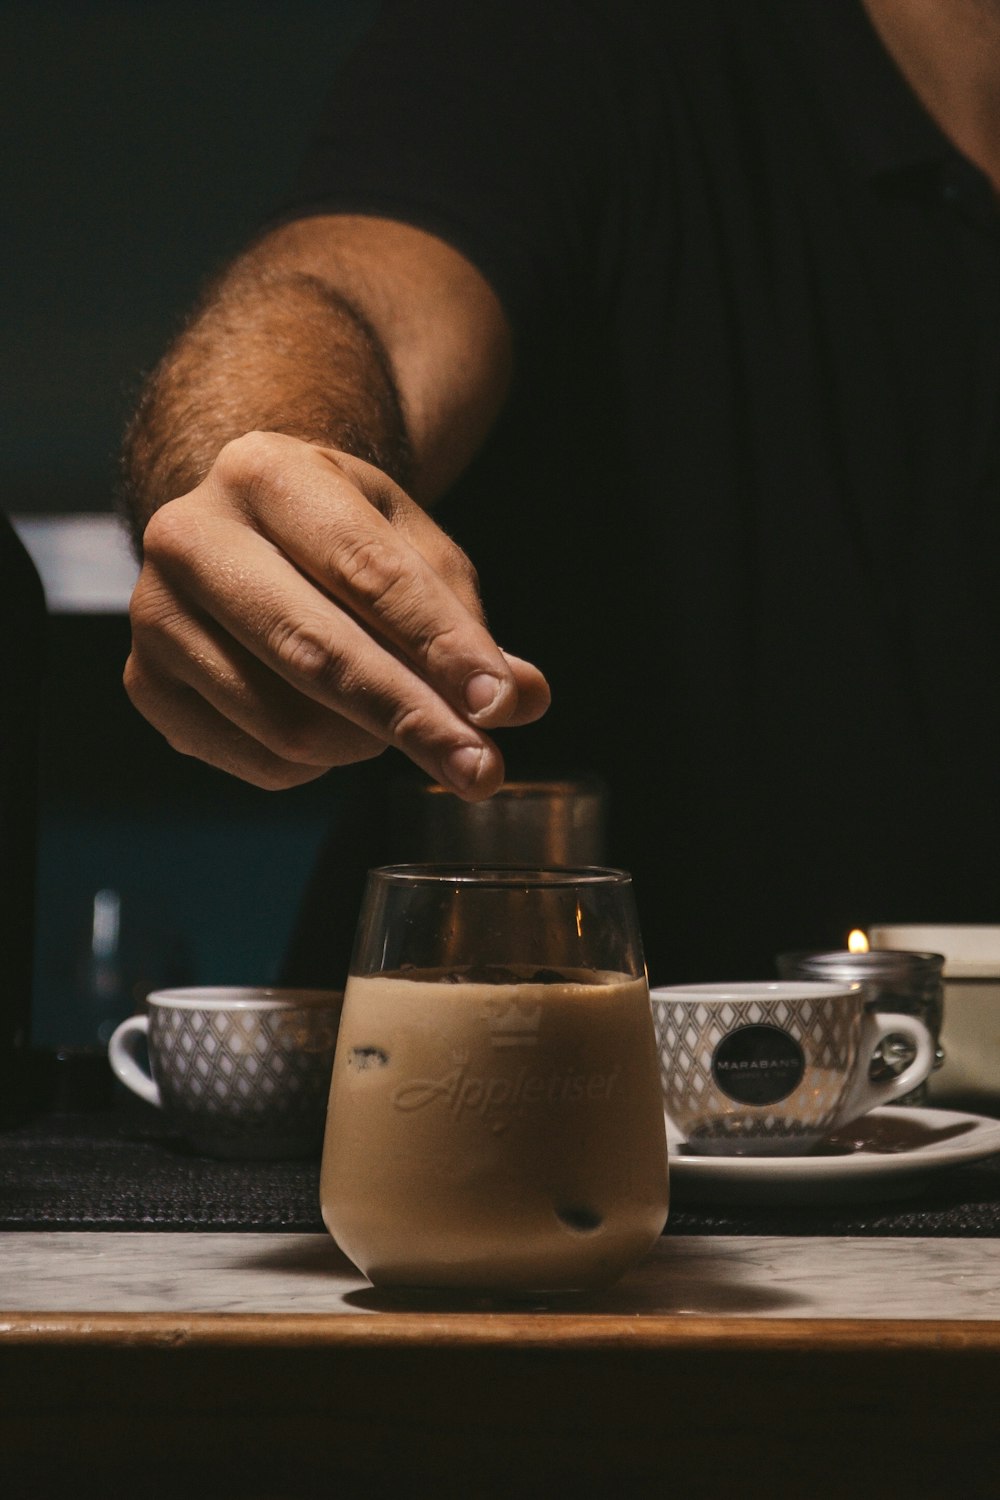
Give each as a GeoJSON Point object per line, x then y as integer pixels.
{"type": "Point", "coordinates": [723, 1276]}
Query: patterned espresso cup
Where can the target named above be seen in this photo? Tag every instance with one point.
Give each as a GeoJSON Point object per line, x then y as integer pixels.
{"type": "Point", "coordinates": [769, 1069]}
{"type": "Point", "coordinates": [240, 1072]}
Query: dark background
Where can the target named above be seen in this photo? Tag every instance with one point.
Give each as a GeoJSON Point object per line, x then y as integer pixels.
{"type": "Point", "coordinates": [144, 139]}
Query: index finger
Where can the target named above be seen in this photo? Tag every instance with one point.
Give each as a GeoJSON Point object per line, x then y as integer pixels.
{"type": "Point", "coordinates": [361, 539]}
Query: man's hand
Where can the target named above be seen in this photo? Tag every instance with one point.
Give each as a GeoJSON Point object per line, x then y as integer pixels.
{"type": "Point", "coordinates": [298, 611]}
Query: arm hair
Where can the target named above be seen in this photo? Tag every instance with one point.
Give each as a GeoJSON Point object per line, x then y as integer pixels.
{"type": "Point", "coordinates": [266, 348]}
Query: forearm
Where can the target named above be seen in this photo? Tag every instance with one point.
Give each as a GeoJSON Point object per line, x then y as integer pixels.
{"type": "Point", "coordinates": [270, 348]}
{"type": "Point", "coordinates": [297, 608]}
{"type": "Point", "coordinates": [361, 334]}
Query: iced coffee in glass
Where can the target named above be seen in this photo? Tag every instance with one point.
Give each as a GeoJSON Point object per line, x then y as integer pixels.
{"type": "Point", "coordinates": [496, 1118]}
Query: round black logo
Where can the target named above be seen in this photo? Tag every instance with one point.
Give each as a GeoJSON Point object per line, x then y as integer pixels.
{"type": "Point", "coordinates": [758, 1064]}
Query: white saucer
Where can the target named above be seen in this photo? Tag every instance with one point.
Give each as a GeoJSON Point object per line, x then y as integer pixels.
{"type": "Point", "coordinates": [888, 1153]}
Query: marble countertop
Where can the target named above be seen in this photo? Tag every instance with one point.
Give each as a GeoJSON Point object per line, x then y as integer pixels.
{"type": "Point", "coordinates": [717, 1277]}
{"type": "Point", "coordinates": [238, 1364]}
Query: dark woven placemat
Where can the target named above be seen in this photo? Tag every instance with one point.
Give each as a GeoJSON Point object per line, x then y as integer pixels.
{"type": "Point", "coordinates": [120, 1169]}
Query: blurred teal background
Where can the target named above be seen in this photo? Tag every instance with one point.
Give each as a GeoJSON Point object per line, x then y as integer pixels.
{"type": "Point", "coordinates": [144, 139]}
{"type": "Point", "coordinates": [153, 869]}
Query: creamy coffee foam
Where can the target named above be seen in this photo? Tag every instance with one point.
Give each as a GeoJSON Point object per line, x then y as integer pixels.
{"type": "Point", "coordinates": [495, 1135]}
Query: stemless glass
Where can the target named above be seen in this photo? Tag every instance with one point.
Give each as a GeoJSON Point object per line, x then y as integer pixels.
{"type": "Point", "coordinates": [496, 1118]}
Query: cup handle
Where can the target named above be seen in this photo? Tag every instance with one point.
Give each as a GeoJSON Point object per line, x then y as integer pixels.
{"type": "Point", "coordinates": [121, 1056]}
{"type": "Point", "coordinates": [867, 1092]}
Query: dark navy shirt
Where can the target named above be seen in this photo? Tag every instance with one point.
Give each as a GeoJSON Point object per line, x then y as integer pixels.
{"type": "Point", "coordinates": [742, 505]}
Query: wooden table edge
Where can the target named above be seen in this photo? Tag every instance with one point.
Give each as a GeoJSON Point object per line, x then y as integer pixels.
{"type": "Point", "coordinates": [496, 1330]}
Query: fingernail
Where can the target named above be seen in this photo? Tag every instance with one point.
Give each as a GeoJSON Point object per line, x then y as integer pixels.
{"type": "Point", "coordinates": [481, 690]}
{"type": "Point", "coordinates": [460, 767]}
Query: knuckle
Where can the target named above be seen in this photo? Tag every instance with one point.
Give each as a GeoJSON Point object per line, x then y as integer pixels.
{"type": "Point", "coordinates": [410, 725]}
{"type": "Point", "coordinates": [303, 653]}
{"type": "Point", "coordinates": [134, 682]}
{"type": "Point", "coordinates": [441, 649]}
{"type": "Point", "coordinates": [457, 568]}
{"type": "Point", "coordinates": [138, 605]}
{"type": "Point", "coordinates": [371, 570]}
{"type": "Point", "coordinates": [243, 460]}
{"type": "Point", "coordinates": [142, 606]}
{"type": "Point", "coordinates": [156, 619]}
{"type": "Point", "coordinates": [168, 534]}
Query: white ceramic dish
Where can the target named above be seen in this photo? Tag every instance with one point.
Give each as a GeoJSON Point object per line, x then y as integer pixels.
{"type": "Point", "coordinates": [888, 1153]}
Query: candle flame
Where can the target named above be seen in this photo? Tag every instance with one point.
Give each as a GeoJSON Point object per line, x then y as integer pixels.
{"type": "Point", "coordinates": [857, 942]}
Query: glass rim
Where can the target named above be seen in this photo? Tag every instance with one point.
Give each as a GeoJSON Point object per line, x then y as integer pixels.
{"type": "Point", "coordinates": [878, 960]}
{"type": "Point", "coordinates": [525, 788]}
{"type": "Point", "coordinates": [500, 876]}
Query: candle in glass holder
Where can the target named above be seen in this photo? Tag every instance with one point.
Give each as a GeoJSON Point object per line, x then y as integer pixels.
{"type": "Point", "coordinates": [894, 980]}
